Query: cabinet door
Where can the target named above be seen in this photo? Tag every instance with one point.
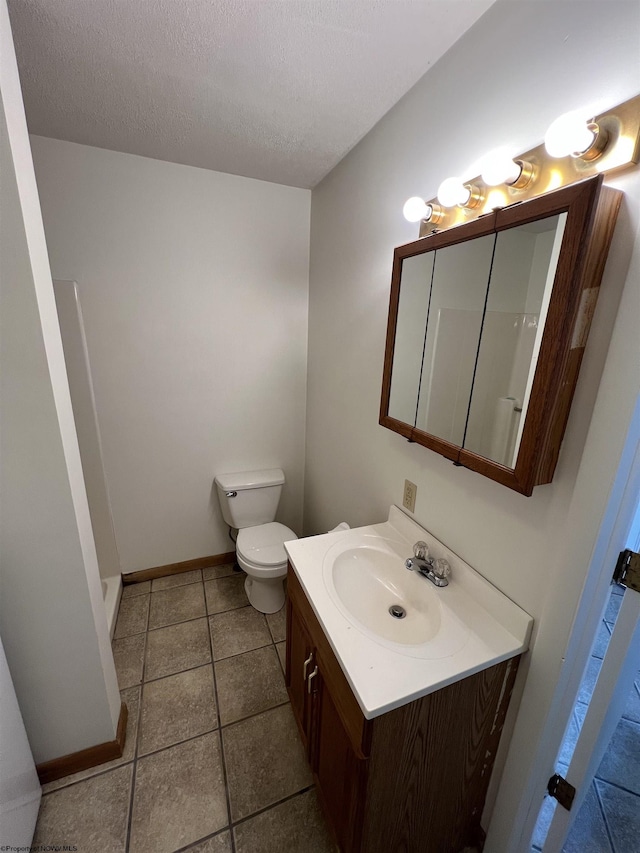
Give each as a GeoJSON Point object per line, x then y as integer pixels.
{"type": "Point", "coordinates": [300, 663]}
{"type": "Point", "coordinates": [340, 773]}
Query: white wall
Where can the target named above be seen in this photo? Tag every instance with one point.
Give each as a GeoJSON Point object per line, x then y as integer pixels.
{"type": "Point", "coordinates": [194, 287]}
{"type": "Point", "coordinates": [52, 617]}
{"type": "Point", "coordinates": [519, 67]}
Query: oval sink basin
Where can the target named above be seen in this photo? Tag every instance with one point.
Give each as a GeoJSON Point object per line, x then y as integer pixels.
{"type": "Point", "coordinates": [378, 591]}
{"type": "Point", "coordinates": [366, 579]}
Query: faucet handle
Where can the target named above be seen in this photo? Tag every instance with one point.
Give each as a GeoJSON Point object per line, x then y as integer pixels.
{"type": "Point", "coordinates": [441, 568]}
{"type": "Point", "coordinates": [421, 550]}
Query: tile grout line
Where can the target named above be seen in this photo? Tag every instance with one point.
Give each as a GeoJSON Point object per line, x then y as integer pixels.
{"type": "Point", "coordinates": [87, 778]}
{"type": "Point", "coordinates": [203, 840]}
{"type": "Point", "coordinates": [264, 809]}
{"type": "Point", "coordinates": [135, 633]}
{"type": "Point", "coordinates": [138, 732]}
{"type": "Point", "coordinates": [177, 672]}
{"type": "Point", "coordinates": [179, 742]}
{"type": "Point", "coordinates": [603, 814]}
{"type": "Point", "coordinates": [225, 777]}
{"type": "Point", "coordinates": [201, 579]}
{"type": "Point", "coordinates": [198, 665]}
{"type": "Point", "coordinates": [176, 585]}
{"type": "Point", "coordinates": [229, 609]}
{"type": "Point", "coordinates": [246, 652]}
{"type": "Point", "coordinates": [172, 606]}
{"type": "Point", "coordinates": [178, 575]}
{"type": "Point", "coordinates": [251, 716]}
{"type": "Point", "coordinates": [618, 787]}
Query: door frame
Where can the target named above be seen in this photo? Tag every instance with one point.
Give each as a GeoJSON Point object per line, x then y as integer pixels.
{"type": "Point", "coordinates": [612, 537]}
{"type": "Point", "coordinates": [605, 710]}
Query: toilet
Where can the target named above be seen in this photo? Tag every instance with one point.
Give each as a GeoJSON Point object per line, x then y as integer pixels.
{"type": "Point", "coordinates": [249, 501]}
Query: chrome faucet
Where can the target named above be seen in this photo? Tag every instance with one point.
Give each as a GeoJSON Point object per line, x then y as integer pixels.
{"type": "Point", "coordinates": [437, 571]}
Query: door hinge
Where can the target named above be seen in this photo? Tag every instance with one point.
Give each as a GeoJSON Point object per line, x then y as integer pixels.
{"type": "Point", "coordinates": [561, 790]}
{"type": "Point", "coordinates": [627, 571]}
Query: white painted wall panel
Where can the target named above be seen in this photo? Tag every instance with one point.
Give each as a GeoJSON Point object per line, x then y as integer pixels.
{"type": "Point", "coordinates": [194, 292]}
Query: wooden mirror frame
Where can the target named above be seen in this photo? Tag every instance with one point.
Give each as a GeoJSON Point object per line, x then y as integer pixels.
{"type": "Point", "coordinates": [591, 210]}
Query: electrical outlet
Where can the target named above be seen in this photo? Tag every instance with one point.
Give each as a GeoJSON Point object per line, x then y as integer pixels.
{"type": "Point", "coordinates": [409, 498]}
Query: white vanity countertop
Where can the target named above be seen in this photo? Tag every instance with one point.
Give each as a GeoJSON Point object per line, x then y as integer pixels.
{"type": "Point", "coordinates": [483, 626]}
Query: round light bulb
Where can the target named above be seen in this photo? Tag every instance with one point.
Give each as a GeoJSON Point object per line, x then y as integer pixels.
{"type": "Point", "coordinates": [569, 134]}
{"type": "Point", "coordinates": [452, 192]}
{"type": "Point", "coordinates": [498, 167]}
{"type": "Point", "coordinates": [416, 208]}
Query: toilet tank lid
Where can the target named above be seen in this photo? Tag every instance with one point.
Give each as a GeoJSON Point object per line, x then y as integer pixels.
{"type": "Point", "coordinates": [250, 479]}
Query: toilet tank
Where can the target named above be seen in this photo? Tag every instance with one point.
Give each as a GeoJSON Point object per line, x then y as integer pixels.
{"type": "Point", "coordinates": [249, 498]}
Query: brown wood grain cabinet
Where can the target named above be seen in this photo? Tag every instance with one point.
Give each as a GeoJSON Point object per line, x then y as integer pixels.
{"type": "Point", "coordinates": [413, 779]}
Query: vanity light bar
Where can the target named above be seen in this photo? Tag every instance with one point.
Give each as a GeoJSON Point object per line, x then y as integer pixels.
{"type": "Point", "coordinates": [576, 147]}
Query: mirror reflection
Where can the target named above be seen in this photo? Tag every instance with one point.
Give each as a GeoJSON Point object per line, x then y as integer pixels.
{"type": "Point", "coordinates": [413, 306]}
{"type": "Point", "coordinates": [468, 333]}
{"type": "Point", "coordinates": [522, 277]}
{"type": "Point", "coordinates": [454, 323]}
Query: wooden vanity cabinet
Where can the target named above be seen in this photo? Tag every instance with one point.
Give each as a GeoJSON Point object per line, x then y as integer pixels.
{"type": "Point", "coordinates": [412, 780]}
{"type": "Point", "coordinates": [333, 729]}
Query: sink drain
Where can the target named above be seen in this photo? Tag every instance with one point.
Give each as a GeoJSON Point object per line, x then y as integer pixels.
{"type": "Point", "coordinates": [397, 612]}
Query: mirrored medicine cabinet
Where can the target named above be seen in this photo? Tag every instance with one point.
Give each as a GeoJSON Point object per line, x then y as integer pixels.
{"type": "Point", "coordinates": [487, 326]}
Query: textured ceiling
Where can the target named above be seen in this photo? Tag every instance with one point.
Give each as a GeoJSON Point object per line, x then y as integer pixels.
{"type": "Point", "coordinates": [278, 90]}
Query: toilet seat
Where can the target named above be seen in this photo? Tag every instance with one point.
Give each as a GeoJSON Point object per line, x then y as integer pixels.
{"type": "Point", "coordinates": [260, 549]}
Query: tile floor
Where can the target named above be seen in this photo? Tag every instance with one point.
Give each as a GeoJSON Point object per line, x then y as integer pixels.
{"type": "Point", "coordinates": [609, 820]}
{"type": "Point", "coordinates": [213, 762]}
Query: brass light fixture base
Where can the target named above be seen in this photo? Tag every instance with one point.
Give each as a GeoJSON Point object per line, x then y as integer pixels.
{"type": "Point", "coordinates": [527, 175]}
{"type": "Point", "coordinates": [597, 147]}
{"type": "Point", "coordinates": [476, 197]}
{"type": "Point", "coordinates": [437, 214]}
{"type": "Point", "coordinates": [616, 147]}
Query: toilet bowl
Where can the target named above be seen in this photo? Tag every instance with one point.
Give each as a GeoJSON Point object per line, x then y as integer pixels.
{"type": "Point", "coordinates": [260, 553]}
{"type": "Point", "coordinates": [249, 501]}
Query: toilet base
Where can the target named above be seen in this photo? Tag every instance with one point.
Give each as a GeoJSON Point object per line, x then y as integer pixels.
{"type": "Point", "coordinates": [265, 595]}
